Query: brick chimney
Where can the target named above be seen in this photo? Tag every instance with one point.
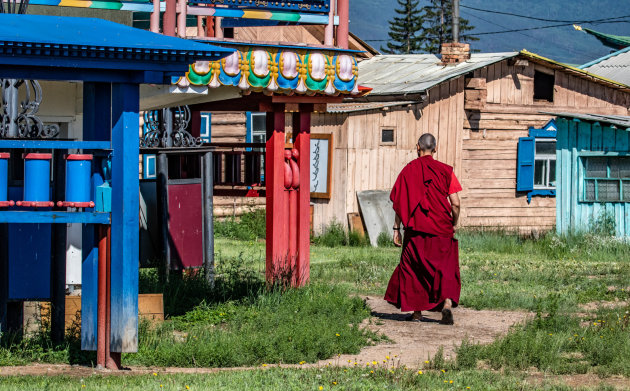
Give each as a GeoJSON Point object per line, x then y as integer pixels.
{"type": "Point", "coordinates": [454, 53]}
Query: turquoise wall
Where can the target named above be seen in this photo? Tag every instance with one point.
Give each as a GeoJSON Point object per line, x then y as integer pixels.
{"type": "Point", "coordinates": [584, 138]}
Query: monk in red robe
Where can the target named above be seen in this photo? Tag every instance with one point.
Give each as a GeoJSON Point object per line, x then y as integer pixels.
{"type": "Point", "coordinates": [426, 203]}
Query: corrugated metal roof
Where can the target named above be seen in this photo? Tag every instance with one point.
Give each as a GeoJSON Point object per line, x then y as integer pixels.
{"type": "Point", "coordinates": [614, 41]}
{"type": "Point", "coordinates": [359, 106]}
{"type": "Point", "coordinates": [620, 121]}
{"type": "Point", "coordinates": [615, 66]}
{"type": "Point", "coordinates": [401, 74]}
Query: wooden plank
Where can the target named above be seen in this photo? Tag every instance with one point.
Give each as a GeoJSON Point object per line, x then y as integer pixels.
{"type": "Point", "coordinates": [468, 154]}
{"type": "Point", "coordinates": [470, 173]}
{"type": "Point", "coordinates": [475, 83]}
{"type": "Point", "coordinates": [536, 109]}
{"type": "Point", "coordinates": [511, 212]}
{"type": "Point", "coordinates": [459, 125]}
{"type": "Point", "coordinates": [509, 203]}
{"type": "Point", "coordinates": [492, 184]}
{"type": "Point", "coordinates": [452, 131]}
{"type": "Point", "coordinates": [533, 221]}
{"type": "Point", "coordinates": [498, 135]}
{"type": "Point", "coordinates": [125, 220]}
{"type": "Point", "coordinates": [490, 83]}
{"type": "Point", "coordinates": [560, 94]}
{"type": "Point", "coordinates": [355, 223]}
{"type": "Point", "coordinates": [489, 145]}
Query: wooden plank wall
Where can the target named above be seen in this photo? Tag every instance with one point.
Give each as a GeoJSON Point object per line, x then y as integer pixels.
{"type": "Point", "coordinates": [574, 138]}
{"type": "Point", "coordinates": [490, 139]}
{"type": "Point", "coordinates": [362, 163]}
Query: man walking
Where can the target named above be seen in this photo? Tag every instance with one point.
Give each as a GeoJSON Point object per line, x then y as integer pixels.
{"type": "Point", "coordinates": [426, 203]}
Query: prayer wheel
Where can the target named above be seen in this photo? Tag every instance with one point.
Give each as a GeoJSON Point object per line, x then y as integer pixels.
{"type": "Point", "coordinates": [36, 180]}
{"type": "Point", "coordinates": [78, 174]}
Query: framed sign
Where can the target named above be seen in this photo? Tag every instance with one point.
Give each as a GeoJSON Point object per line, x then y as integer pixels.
{"type": "Point", "coordinates": [321, 165]}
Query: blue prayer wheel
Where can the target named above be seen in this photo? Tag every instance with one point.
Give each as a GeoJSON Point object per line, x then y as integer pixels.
{"type": "Point", "coordinates": [4, 175]}
{"type": "Point", "coordinates": [78, 174]}
{"type": "Point", "coordinates": [37, 178]}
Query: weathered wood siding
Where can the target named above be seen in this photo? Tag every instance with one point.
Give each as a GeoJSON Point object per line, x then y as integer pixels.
{"type": "Point", "coordinates": [490, 139]}
{"type": "Point", "coordinates": [574, 138]}
{"type": "Point", "coordinates": [361, 162]}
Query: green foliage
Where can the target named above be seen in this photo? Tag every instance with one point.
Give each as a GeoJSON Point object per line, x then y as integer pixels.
{"type": "Point", "coordinates": [404, 29]}
{"type": "Point", "coordinates": [559, 343]}
{"type": "Point", "coordinates": [249, 226]}
{"type": "Point", "coordinates": [438, 26]}
{"type": "Point", "coordinates": [605, 224]}
{"type": "Point", "coordinates": [355, 239]}
{"type": "Point", "coordinates": [273, 326]}
{"type": "Point", "coordinates": [333, 235]}
{"type": "Point", "coordinates": [385, 240]}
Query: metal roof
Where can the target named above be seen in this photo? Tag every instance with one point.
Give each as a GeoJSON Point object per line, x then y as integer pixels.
{"type": "Point", "coordinates": [620, 121]}
{"type": "Point", "coordinates": [615, 66]}
{"type": "Point", "coordinates": [88, 41]}
{"type": "Point", "coordinates": [351, 107]}
{"type": "Point", "coordinates": [402, 74]}
{"type": "Point", "coordinates": [613, 41]}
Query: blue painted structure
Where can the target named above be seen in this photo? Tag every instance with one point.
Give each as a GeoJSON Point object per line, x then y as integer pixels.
{"type": "Point", "coordinates": [37, 177]}
{"type": "Point", "coordinates": [111, 60]}
{"type": "Point", "coordinates": [4, 176]}
{"type": "Point", "coordinates": [526, 160]}
{"type": "Point", "coordinates": [607, 139]}
{"type": "Point", "coordinates": [78, 175]}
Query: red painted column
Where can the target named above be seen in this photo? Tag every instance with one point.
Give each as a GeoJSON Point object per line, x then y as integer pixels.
{"type": "Point", "coordinates": [112, 359]}
{"type": "Point", "coordinates": [170, 17]}
{"type": "Point", "coordinates": [277, 197]}
{"type": "Point", "coordinates": [302, 143]}
{"type": "Point", "coordinates": [101, 313]}
{"type": "Point", "coordinates": [343, 11]}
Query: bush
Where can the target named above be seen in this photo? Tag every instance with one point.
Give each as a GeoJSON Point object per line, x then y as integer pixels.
{"type": "Point", "coordinates": [385, 240]}
{"type": "Point", "coordinates": [355, 239]}
{"type": "Point", "coordinates": [249, 226]}
{"type": "Point", "coordinates": [333, 235]}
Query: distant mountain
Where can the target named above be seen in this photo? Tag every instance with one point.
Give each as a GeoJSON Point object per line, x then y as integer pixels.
{"type": "Point", "coordinates": [369, 20]}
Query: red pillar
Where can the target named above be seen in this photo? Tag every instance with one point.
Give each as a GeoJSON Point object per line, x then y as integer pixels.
{"type": "Point", "coordinates": [170, 17]}
{"type": "Point", "coordinates": [112, 359]}
{"type": "Point", "coordinates": [101, 313]}
{"type": "Point", "coordinates": [277, 197]}
{"type": "Point", "coordinates": [343, 11]}
{"type": "Point", "coordinates": [302, 142]}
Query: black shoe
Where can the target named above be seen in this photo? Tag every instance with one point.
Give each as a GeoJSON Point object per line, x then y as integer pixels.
{"type": "Point", "coordinates": [447, 316]}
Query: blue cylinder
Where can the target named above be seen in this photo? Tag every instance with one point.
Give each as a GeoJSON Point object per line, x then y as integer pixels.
{"type": "Point", "coordinates": [37, 177]}
{"type": "Point", "coordinates": [4, 175]}
{"type": "Point", "coordinates": [78, 173]}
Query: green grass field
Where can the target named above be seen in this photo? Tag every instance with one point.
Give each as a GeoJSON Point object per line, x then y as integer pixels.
{"type": "Point", "coordinates": [242, 323]}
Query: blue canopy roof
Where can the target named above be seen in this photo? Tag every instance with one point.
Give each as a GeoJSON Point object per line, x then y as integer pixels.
{"type": "Point", "coordinates": [30, 41]}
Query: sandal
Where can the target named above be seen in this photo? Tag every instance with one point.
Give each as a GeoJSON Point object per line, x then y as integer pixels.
{"type": "Point", "coordinates": [447, 317]}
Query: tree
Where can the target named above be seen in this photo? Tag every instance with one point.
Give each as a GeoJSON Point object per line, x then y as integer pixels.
{"type": "Point", "coordinates": [438, 26]}
{"type": "Point", "coordinates": [404, 29]}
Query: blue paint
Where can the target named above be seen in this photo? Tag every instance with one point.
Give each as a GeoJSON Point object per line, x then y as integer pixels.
{"type": "Point", "coordinates": [578, 141]}
{"type": "Point", "coordinates": [548, 193]}
{"type": "Point", "coordinates": [89, 288]}
{"type": "Point", "coordinates": [53, 144]}
{"type": "Point", "coordinates": [37, 177]}
{"type": "Point", "coordinates": [53, 217]}
{"type": "Point", "coordinates": [125, 219]}
{"type": "Point", "coordinates": [29, 261]}
{"type": "Point", "coordinates": [4, 179]}
{"type": "Point", "coordinates": [525, 164]}
{"type": "Point", "coordinates": [78, 175]}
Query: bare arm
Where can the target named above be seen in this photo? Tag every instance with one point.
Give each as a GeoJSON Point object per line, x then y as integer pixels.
{"type": "Point", "coordinates": [455, 207]}
{"type": "Point", "coordinates": [397, 236]}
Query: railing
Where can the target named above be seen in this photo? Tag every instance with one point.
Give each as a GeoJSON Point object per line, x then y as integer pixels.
{"type": "Point", "coordinates": [239, 169]}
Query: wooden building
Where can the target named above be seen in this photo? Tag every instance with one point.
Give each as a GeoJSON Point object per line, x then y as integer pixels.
{"type": "Point", "coordinates": [593, 167]}
{"type": "Point", "coordinates": [478, 109]}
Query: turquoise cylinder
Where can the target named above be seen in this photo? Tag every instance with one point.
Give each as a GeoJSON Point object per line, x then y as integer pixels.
{"type": "Point", "coordinates": [4, 175]}
{"type": "Point", "coordinates": [78, 173]}
{"type": "Point", "coordinates": [37, 177]}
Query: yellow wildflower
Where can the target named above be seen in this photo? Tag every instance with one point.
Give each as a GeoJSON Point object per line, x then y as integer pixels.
{"type": "Point", "coordinates": [374, 363]}
{"type": "Point", "coordinates": [338, 335]}
{"type": "Point", "coordinates": [264, 365]}
{"type": "Point", "coordinates": [419, 372]}
{"type": "Point", "coordinates": [321, 388]}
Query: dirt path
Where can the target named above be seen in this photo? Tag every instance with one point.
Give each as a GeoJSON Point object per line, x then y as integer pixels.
{"type": "Point", "coordinates": [412, 343]}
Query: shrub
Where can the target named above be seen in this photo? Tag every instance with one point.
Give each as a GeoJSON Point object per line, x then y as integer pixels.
{"type": "Point", "coordinates": [333, 235]}
{"type": "Point", "coordinates": [249, 226]}
{"type": "Point", "coordinates": [385, 240]}
{"type": "Point", "coordinates": [355, 239]}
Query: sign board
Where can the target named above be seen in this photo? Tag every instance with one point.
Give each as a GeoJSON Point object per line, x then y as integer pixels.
{"type": "Point", "coordinates": [321, 165]}
{"type": "Point", "coordinates": [316, 6]}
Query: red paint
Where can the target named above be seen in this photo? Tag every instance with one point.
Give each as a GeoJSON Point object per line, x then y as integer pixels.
{"type": "Point", "coordinates": [277, 197]}
{"type": "Point", "coordinates": [343, 10]}
{"type": "Point", "coordinates": [5, 155]}
{"type": "Point", "coordinates": [35, 204]}
{"type": "Point", "coordinates": [252, 193]}
{"type": "Point", "coordinates": [102, 294]}
{"type": "Point", "coordinates": [288, 175]}
{"type": "Point", "coordinates": [295, 174]}
{"type": "Point", "coordinates": [291, 262]}
{"type": "Point", "coordinates": [37, 156]}
{"type": "Point", "coordinates": [76, 156]}
{"type": "Point", "coordinates": [185, 225]}
{"type": "Point", "coordinates": [6, 203]}
{"type": "Point", "coordinates": [67, 204]}
{"type": "Point", "coordinates": [302, 130]}
{"type": "Point", "coordinates": [112, 359]}
{"type": "Point", "coordinates": [170, 16]}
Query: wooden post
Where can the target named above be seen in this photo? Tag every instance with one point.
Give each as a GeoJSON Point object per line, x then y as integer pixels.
{"type": "Point", "coordinates": [277, 208]}
{"type": "Point", "coordinates": [96, 127]}
{"type": "Point", "coordinates": [302, 142]}
{"type": "Point", "coordinates": [102, 297]}
{"type": "Point", "coordinates": [125, 218]}
{"type": "Point", "coordinates": [208, 213]}
{"type": "Point", "coordinates": [58, 267]}
{"type": "Point", "coordinates": [170, 15]}
{"type": "Point", "coordinates": [181, 18]}
{"type": "Point", "coordinates": [343, 10]}
{"type": "Point", "coordinates": [4, 277]}
{"type": "Point", "coordinates": [329, 30]}
{"type": "Point", "coordinates": [155, 17]}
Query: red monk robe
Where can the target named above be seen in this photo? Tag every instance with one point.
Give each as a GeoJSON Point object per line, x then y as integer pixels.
{"type": "Point", "coordinates": [428, 272]}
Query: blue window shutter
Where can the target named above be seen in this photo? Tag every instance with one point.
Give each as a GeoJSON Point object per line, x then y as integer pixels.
{"type": "Point", "coordinates": [248, 126]}
{"type": "Point", "coordinates": [206, 127]}
{"type": "Point", "coordinates": [525, 164]}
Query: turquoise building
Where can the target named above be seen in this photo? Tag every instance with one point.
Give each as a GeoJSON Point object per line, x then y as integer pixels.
{"type": "Point", "coordinates": [593, 172]}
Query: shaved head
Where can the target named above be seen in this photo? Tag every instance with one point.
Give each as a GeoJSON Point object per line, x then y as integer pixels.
{"type": "Point", "coordinates": [427, 142]}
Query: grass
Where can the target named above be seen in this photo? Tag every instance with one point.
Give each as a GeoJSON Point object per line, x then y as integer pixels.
{"type": "Point", "coordinates": [283, 379]}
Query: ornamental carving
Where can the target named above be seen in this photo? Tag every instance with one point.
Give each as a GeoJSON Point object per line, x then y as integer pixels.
{"type": "Point", "coordinates": [274, 70]}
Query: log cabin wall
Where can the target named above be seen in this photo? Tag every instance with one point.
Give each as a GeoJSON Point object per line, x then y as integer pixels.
{"type": "Point", "coordinates": [491, 132]}
{"type": "Point", "coordinates": [362, 162]}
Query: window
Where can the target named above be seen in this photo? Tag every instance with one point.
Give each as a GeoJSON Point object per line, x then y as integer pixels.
{"type": "Point", "coordinates": [388, 136]}
{"type": "Point", "coordinates": [257, 129]}
{"type": "Point", "coordinates": [543, 86]}
{"type": "Point", "coordinates": [545, 164]}
{"type": "Point", "coordinates": [606, 179]}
